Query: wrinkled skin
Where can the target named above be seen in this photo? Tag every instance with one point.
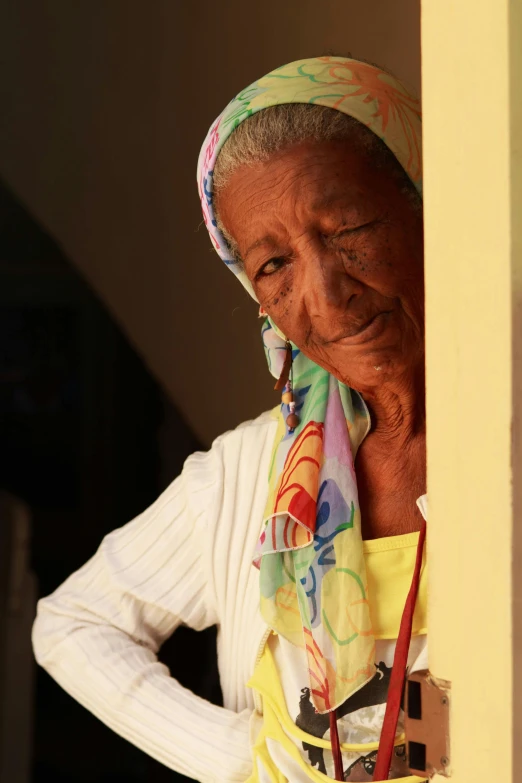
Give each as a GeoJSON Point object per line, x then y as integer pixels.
{"type": "Point", "coordinates": [334, 249]}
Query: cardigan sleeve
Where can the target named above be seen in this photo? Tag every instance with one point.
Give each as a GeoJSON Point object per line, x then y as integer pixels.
{"type": "Point", "coordinates": [99, 633]}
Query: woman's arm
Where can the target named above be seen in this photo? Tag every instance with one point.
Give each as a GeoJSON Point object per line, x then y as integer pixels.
{"type": "Point", "coordinates": [98, 634]}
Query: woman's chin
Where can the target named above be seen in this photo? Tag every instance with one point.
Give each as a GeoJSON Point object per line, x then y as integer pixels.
{"type": "Point", "coordinates": [376, 365]}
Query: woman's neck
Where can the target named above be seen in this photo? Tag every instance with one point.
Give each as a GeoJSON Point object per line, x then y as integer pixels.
{"type": "Point", "coordinates": [397, 407]}
{"type": "Point", "coordinates": [391, 461]}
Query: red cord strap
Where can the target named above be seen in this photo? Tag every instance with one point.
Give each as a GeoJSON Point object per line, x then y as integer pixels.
{"type": "Point", "coordinates": [336, 747]}
{"type": "Point", "coordinates": [398, 675]}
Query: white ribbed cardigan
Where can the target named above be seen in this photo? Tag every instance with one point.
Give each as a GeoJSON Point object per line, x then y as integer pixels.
{"type": "Point", "coordinates": [187, 559]}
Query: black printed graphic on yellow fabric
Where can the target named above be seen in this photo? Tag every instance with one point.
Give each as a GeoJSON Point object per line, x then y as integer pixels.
{"type": "Point", "coordinates": [374, 692]}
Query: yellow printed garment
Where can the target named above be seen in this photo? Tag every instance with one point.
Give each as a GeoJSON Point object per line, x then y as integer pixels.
{"type": "Point", "coordinates": [293, 740]}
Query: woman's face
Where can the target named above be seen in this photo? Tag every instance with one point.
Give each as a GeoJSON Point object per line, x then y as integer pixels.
{"type": "Point", "coordinates": [334, 250]}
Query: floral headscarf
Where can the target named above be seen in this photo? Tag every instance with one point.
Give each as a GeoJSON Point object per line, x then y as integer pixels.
{"type": "Point", "coordinates": [310, 554]}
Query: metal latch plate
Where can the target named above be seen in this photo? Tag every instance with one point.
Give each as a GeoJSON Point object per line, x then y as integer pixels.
{"type": "Point", "coordinates": [426, 708]}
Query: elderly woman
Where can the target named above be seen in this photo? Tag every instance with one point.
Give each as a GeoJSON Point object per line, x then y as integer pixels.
{"type": "Point", "coordinates": [300, 534]}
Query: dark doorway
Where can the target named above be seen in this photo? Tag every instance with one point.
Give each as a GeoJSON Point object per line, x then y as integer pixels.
{"type": "Point", "coordinates": [80, 445]}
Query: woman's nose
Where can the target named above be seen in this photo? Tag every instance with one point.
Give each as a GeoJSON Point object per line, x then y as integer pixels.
{"type": "Point", "coordinates": [327, 287]}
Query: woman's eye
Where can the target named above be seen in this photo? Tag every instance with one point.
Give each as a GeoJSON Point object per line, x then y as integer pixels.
{"type": "Point", "coordinates": [350, 232]}
{"type": "Point", "coordinates": [270, 267]}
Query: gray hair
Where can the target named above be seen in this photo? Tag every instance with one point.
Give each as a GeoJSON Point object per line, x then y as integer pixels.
{"type": "Point", "coordinates": [276, 128]}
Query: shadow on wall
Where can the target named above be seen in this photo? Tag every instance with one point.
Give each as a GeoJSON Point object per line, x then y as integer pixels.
{"type": "Point", "coordinates": [87, 442]}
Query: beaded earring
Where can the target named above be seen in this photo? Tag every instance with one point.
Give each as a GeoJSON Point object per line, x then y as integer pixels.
{"type": "Point", "coordinates": [285, 383]}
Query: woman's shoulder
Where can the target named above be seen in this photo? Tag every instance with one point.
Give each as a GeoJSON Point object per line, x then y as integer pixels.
{"type": "Point", "coordinates": [240, 455]}
{"type": "Point", "coordinates": [267, 420]}
{"type": "Point", "coordinates": [253, 436]}
{"type": "Point", "coordinates": [251, 431]}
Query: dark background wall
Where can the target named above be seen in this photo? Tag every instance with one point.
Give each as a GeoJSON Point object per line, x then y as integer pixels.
{"type": "Point", "coordinates": [105, 104]}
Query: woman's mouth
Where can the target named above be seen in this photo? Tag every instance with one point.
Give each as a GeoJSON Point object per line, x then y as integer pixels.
{"type": "Point", "coordinates": [367, 331]}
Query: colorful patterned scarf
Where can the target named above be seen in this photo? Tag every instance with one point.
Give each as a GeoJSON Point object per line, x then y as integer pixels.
{"type": "Point", "coordinates": [310, 554]}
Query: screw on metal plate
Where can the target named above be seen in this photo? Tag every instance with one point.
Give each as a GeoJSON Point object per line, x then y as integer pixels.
{"type": "Point", "coordinates": [426, 707]}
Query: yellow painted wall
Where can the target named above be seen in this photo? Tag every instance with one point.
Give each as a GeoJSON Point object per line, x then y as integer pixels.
{"type": "Point", "coordinates": [515, 96]}
{"type": "Point", "coordinates": [104, 106]}
{"type": "Point", "coordinates": [472, 127]}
